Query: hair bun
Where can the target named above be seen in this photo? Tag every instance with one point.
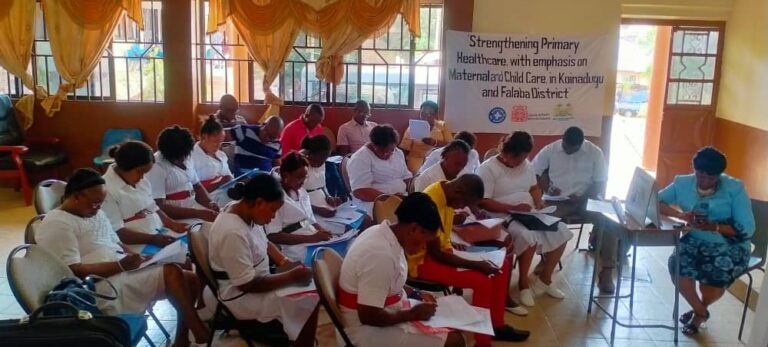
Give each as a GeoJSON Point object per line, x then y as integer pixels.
{"type": "Point", "coordinates": [112, 152]}
{"type": "Point", "coordinates": [237, 191]}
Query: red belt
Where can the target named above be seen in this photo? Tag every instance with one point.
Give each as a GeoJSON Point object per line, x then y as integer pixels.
{"type": "Point", "coordinates": [179, 195]}
{"type": "Point", "coordinates": [210, 182]}
{"type": "Point", "coordinates": [349, 300]}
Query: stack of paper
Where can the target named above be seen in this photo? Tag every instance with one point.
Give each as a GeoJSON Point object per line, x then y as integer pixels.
{"type": "Point", "coordinates": [173, 253]}
{"type": "Point", "coordinates": [454, 312]}
{"type": "Point", "coordinates": [297, 289]}
{"type": "Point", "coordinates": [348, 235]}
{"type": "Point", "coordinates": [495, 257]}
{"type": "Point", "coordinates": [418, 129]}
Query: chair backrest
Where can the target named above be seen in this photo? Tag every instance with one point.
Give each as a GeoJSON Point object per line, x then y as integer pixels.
{"type": "Point", "coordinates": [760, 238]}
{"type": "Point", "coordinates": [384, 208]}
{"type": "Point", "coordinates": [48, 195]}
{"type": "Point", "coordinates": [31, 230]}
{"type": "Point", "coordinates": [490, 153]}
{"type": "Point", "coordinates": [198, 251]}
{"type": "Point", "coordinates": [33, 275]}
{"type": "Point", "coordinates": [331, 137]}
{"type": "Point", "coordinates": [326, 264]}
{"type": "Point", "coordinates": [345, 173]}
{"type": "Point", "coordinates": [116, 136]}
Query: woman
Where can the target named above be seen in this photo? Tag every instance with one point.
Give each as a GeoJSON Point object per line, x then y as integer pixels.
{"type": "Point", "coordinates": [439, 135]}
{"type": "Point", "coordinates": [132, 212]}
{"type": "Point", "coordinates": [295, 225]}
{"type": "Point", "coordinates": [716, 251]}
{"type": "Point", "coordinates": [510, 186]}
{"type": "Point", "coordinates": [80, 235]}
{"type": "Point", "coordinates": [175, 185]}
{"type": "Point", "coordinates": [454, 159]}
{"type": "Point", "coordinates": [372, 293]}
{"type": "Point", "coordinates": [378, 168]}
{"type": "Point", "coordinates": [240, 256]}
{"type": "Point", "coordinates": [211, 163]}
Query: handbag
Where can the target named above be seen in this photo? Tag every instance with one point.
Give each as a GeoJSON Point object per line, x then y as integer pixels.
{"type": "Point", "coordinates": [79, 293]}
{"type": "Point", "coordinates": [74, 328]}
{"type": "Point", "coordinates": [530, 222]}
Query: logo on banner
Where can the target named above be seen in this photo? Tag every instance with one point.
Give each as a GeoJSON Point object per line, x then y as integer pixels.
{"type": "Point", "coordinates": [519, 113]}
{"type": "Point", "coordinates": [563, 112]}
{"type": "Point", "coordinates": [497, 115]}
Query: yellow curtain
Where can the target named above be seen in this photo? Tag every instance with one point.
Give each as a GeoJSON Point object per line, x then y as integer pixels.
{"type": "Point", "coordinates": [79, 31]}
{"type": "Point", "coordinates": [17, 34]}
{"type": "Point", "coordinates": [269, 28]}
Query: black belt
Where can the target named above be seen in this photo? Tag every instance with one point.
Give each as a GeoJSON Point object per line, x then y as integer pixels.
{"type": "Point", "coordinates": [291, 228]}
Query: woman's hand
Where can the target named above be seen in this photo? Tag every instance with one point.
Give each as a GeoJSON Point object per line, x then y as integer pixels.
{"type": "Point", "coordinates": [130, 262]}
{"type": "Point", "coordinates": [207, 215]}
{"type": "Point", "coordinates": [320, 236]}
{"type": "Point", "coordinates": [301, 275]}
{"type": "Point", "coordinates": [325, 212]}
{"type": "Point", "coordinates": [460, 218]}
{"type": "Point", "coordinates": [177, 227]}
{"type": "Point", "coordinates": [423, 311]}
{"type": "Point", "coordinates": [520, 208]}
{"type": "Point", "coordinates": [429, 141]}
{"type": "Point", "coordinates": [485, 267]}
{"type": "Point", "coordinates": [161, 240]}
{"type": "Point", "coordinates": [333, 201]}
{"type": "Point", "coordinates": [214, 206]}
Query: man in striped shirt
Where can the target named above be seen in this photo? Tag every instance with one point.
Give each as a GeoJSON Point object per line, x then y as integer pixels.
{"type": "Point", "coordinates": [257, 146]}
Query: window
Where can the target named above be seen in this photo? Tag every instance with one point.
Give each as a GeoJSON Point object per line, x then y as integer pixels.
{"type": "Point", "coordinates": [131, 68]}
{"type": "Point", "coordinates": [692, 65]}
{"type": "Point", "coordinates": [391, 70]}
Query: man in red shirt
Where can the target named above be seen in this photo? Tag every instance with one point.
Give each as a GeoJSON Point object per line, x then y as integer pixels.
{"type": "Point", "coordinates": [306, 125]}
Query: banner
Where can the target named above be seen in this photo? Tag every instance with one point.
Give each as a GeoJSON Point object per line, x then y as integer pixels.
{"type": "Point", "coordinates": [498, 83]}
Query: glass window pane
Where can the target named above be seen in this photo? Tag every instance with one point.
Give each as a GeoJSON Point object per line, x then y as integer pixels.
{"type": "Point", "coordinates": [692, 67]}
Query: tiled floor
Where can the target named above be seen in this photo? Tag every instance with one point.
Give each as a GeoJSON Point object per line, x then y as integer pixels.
{"type": "Point", "coordinates": [552, 322]}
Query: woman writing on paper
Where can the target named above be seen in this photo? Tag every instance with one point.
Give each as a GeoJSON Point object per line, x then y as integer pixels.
{"type": "Point", "coordinates": [510, 186]}
{"type": "Point", "coordinates": [439, 135]}
{"type": "Point", "coordinates": [716, 252]}
{"type": "Point", "coordinates": [240, 255]}
{"type": "Point", "coordinates": [372, 296]}
{"type": "Point", "coordinates": [295, 225]}
{"type": "Point", "coordinates": [211, 163]}
{"type": "Point", "coordinates": [132, 212]}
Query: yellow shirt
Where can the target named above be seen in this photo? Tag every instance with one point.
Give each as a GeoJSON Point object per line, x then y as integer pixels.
{"type": "Point", "coordinates": [436, 192]}
{"type": "Point", "coordinates": [417, 150]}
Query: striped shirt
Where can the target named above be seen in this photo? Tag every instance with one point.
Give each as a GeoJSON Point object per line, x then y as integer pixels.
{"type": "Point", "coordinates": [250, 151]}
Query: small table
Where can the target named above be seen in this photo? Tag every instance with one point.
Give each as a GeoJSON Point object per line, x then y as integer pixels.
{"type": "Point", "coordinates": [639, 235]}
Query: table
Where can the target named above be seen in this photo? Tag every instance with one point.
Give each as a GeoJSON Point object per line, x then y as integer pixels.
{"type": "Point", "coordinates": [642, 236]}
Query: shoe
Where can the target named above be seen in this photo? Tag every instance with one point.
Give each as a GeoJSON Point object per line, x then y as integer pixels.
{"type": "Point", "coordinates": [685, 318]}
{"type": "Point", "coordinates": [691, 328]}
{"type": "Point", "coordinates": [540, 287]}
{"type": "Point", "coordinates": [605, 282]}
{"type": "Point", "coordinates": [526, 297]}
{"type": "Point", "coordinates": [508, 333]}
{"type": "Point", "coordinates": [516, 309]}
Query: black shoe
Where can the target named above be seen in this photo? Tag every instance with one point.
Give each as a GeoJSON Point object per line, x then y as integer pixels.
{"type": "Point", "coordinates": [508, 333]}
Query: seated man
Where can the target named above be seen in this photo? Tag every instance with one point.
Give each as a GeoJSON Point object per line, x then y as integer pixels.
{"type": "Point", "coordinates": [80, 235]}
{"type": "Point", "coordinates": [228, 114]}
{"type": "Point", "coordinates": [438, 263]}
{"type": "Point", "coordinates": [354, 134]}
{"type": "Point", "coordinates": [256, 146]}
{"type": "Point", "coordinates": [309, 124]}
{"type": "Point", "coordinates": [474, 158]}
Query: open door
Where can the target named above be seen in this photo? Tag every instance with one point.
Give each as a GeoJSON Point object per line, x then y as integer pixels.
{"type": "Point", "coordinates": [691, 96]}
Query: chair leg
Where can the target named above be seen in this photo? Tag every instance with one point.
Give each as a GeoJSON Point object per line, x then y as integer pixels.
{"type": "Point", "coordinates": [578, 239]}
{"type": "Point", "coordinates": [746, 305]}
{"type": "Point", "coordinates": [158, 323]}
{"type": "Point", "coordinates": [149, 341]}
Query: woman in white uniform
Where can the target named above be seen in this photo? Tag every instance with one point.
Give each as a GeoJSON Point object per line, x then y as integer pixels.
{"type": "Point", "coordinates": [211, 163]}
{"type": "Point", "coordinates": [452, 164]}
{"type": "Point", "coordinates": [240, 254]}
{"type": "Point", "coordinates": [175, 185]}
{"type": "Point", "coordinates": [510, 186]}
{"type": "Point", "coordinates": [80, 235]}
{"type": "Point", "coordinates": [474, 158]}
{"type": "Point", "coordinates": [132, 212]}
{"type": "Point", "coordinates": [372, 295]}
{"type": "Point", "coordinates": [295, 225]}
{"type": "Point", "coordinates": [378, 168]}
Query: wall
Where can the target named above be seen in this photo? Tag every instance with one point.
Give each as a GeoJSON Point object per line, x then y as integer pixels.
{"type": "Point", "coordinates": [742, 123]}
{"type": "Point", "coordinates": [677, 9]}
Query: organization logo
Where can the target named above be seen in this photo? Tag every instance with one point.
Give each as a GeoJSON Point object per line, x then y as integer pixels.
{"type": "Point", "coordinates": [519, 113]}
{"type": "Point", "coordinates": [497, 115]}
{"type": "Point", "coordinates": [563, 112]}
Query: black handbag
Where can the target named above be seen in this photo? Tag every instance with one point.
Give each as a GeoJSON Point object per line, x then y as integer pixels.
{"type": "Point", "coordinates": [530, 222]}
{"type": "Point", "coordinates": [79, 293]}
{"type": "Point", "coordinates": [76, 328]}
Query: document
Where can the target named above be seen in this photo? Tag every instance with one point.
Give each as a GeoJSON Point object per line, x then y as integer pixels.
{"type": "Point", "coordinates": [150, 250]}
{"type": "Point", "coordinates": [600, 206]}
{"type": "Point", "coordinates": [345, 214]}
{"type": "Point", "coordinates": [336, 159]}
{"type": "Point", "coordinates": [173, 253]}
{"type": "Point", "coordinates": [543, 217]}
{"type": "Point", "coordinates": [495, 257]}
{"type": "Point", "coordinates": [489, 223]}
{"type": "Point", "coordinates": [452, 312]}
{"type": "Point", "coordinates": [483, 326]}
{"type": "Point", "coordinates": [291, 290]}
{"type": "Point", "coordinates": [346, 236]}
{"type": "Point", "coordinates": [419, 129]}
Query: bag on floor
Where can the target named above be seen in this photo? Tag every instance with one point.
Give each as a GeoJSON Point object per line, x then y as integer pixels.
{"type": "Point", "coordinates": [78, 293]}
{"type": "Point", "coordinates": [75, 328]}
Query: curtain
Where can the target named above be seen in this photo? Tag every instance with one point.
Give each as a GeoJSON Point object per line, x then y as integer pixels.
{"type": "Point", "coordinates": [17, 35]}
{"type": "Point", "coordinates": [270, 27]}
{"type": "Point", "coordinates": [79, 31]}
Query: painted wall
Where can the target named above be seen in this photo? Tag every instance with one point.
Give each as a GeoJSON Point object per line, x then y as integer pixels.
{"type": "Point", "coordinates": [677, 9]}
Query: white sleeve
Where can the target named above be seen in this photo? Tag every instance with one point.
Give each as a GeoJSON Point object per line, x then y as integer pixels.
{"type": "Point", "coordinates": [530, 176]}
{"type": "Point", "coordinates": [276, 224]}
{"type": "Point", "coordinates": [484, 171]}
{"type": "Point", "coordinates": [600, 173]}
{"type": "Point", "coordinates": [541, 161]}
{"type": "Point", "coordinates": [404, 172]}
{"type": "Point", "coordinates": [342, 138]}
{"type": "Point", "coordinates": [236, 258]}
{"type": "Point", "coordinates": [359, 169]}
{"type": "Point", "coordinates": [432, 158]}
{"type": "Point", "coordinates": [57, 235]}
{"type": "Point", "coordinates": [375, 274]}
{"type": "Point", "coordinates": [224, 163]}
{"type": "Point", "coordinates": [156, 178]}
{"type": "Point", "coordinates": [474, 161]}
{"type": "Point", "coordinates": [192, 174]}
{"type": "Point", "coordinates": [420, 182]}
{"type": "Point", "coordinates": [112, 211]}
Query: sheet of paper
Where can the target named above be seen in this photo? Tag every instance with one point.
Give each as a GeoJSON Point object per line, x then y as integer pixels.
{"type": "Point", "coordinates": [173, 253]}
{"type": "Point", "coordinates": [495, 257]}
{"type": "Point", "coordinates": [345, 215]}
{"type": "Point", "coordinates": [419, 129]}
{"type": "Point", "coordinates": [224, 187]}
{"type": "Point", "coordinates": [543, 217]}
{"type": "Point", "coordinates": [346, 236]}
{"type": "Point", "coordinates": [483, 326]}
{"type": "Point", "coordinates": [288, 291]}
{"type": "Point", "coordinates": [491, 222]}
{"type": "Point", "coordinates": [457, 240]}
{"type": "Point", "coordinates": [600, 206]}
{"type": "Point", "coordinates": [547, 197]}
{"type": "Point", "coordinates": [336, 159]}
{"type": "Point", "coordinates": [548, 209]}
{"type": "Point", "coordinates": [452, 311]}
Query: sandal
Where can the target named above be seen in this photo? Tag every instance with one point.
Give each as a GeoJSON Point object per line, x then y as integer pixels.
{"type": "Point", "coordinates": [685, 318]}
{"type": "Point", "coordinates": [693, 329]}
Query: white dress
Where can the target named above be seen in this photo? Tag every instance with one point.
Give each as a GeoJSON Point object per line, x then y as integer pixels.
{"type": "Point", "coordinates": [435, 156]}
{"type": "Point", "coordinates": [366, 170]}
{"type": "Point", "coordinates": [375, 268]}
{"type": "Point", "coordinates": [166, 179]}
{"type": "Point", "coordinates": [130, 206]}
{"type": "Point", "coordinates": [241, 251]}
{"type": "Point", "coordinates": [512, 186]}
{"type": "Point", "coordinates": [210, 169]}
{"type": "Point", "coordinates": [294, 217]}
{"type": "Point", "coordinates": [431, 175]}
{"type": "Point", "coordinates": [78, 240]}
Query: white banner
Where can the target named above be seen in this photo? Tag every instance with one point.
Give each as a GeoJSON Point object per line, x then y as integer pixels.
{"type": "Point", "coordinates": [499, 83]}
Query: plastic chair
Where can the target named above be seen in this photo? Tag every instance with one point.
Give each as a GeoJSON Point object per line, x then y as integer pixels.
{"type": "Point", "coordinates": [384, 208]}
{"type": "Point", "coordinates": [490, 153]}
{"type": "Point", "coordinates": [223, 319]}
{"type": "Point", "coordinates": [758, 258]}
{"type": "Point", "coordinates": [114, 137]}
{"type": "Point", "coordinates": [31, 229]}
{"type": "Point", "coordinates": [48, 195]}
{"type": "Point", "coordinates": [326, 264]}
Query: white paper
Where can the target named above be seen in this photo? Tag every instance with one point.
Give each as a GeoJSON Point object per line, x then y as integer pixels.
{"type": "Point", "coordinates": [345, 215]}
{"type": "Point", "coordinates": [288, 291]}
{"type": "Point", "coordinates": [173, 253]}
{"type": "Point", "coordinates": [419, 129]}
{"type": "Point", "coordinates": [495, 257]}
{"type": "Point", "coordinates": [336, 159]}
{"type": "Point", "coordinates": [457, 240]}
{"type": "Point", "coordinates": [547, 197]}
{"type": "Point", "coordinates": [483, 326]}
{"type": "Point", "coordinates": [349, 234]}
{"type": "Point", "coordinates": [543, 217]}
{"type": "Point", "coordinates": [600, 206]}
{"type": "Point", "coordinates": [452, 311]}
{"type": "Point", "coordinates": [548, 209]}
